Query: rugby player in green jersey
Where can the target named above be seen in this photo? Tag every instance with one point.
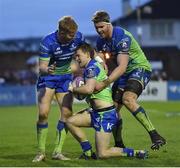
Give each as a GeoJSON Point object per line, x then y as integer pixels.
{"type": "Point", "coordinates": [130, 76]}
{"type": "Point", "coordinates": [103, 116]}
{"type": "Point", "coordinates": [56, 53]}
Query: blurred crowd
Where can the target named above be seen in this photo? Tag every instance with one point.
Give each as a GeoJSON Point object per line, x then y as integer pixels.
{"type": "Point", "coordinates": [159, 75]}
{"type": "Point", "coordinates": [29, 75]}
{"type": "Point", "coordinates": [26, 76]}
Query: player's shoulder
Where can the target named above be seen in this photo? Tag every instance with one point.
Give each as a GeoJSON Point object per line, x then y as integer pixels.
{"type": "Point", "coordinates": [79, 36]}
{"type": "Point", "coordinates": [92, 66]}
{"type": "Point", "coordinates": [91, 71]}
{"type": "Point", "coordinates": [120, 34]}
{"type": "Point", "coordinates": [49, 38]}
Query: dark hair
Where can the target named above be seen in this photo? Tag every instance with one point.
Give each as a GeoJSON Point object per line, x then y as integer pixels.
{"type": "Point", "coordinates": [67, 24]}
{"type": "Point", "coordinates": [101, 16]}
{"type": "Point", "coordinates": [87, 48]}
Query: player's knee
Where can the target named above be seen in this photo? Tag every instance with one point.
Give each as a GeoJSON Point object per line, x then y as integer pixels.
{"type": "Point", "coordinates": [43, 117]}
{"type": "Point", "coordinates": [127, 101]}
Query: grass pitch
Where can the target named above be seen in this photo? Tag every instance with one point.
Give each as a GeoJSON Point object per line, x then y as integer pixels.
{"type": "Point", "coordinates": [18, 138]}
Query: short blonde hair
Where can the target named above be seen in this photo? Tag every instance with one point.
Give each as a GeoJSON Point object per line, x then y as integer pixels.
{"type": "Point", "coordinates": [67, 24]}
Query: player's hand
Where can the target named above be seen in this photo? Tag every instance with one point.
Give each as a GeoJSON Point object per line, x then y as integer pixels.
{"type": "Point", "coordinates": [51, 68]}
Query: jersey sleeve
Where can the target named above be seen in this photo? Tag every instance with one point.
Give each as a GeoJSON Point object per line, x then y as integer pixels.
{"type": "Point", "coordinates": [91, 72]}
{"type": "Point", "coordinates": [80, 38]}
{"type": "Point", "coordinates": [123, 46]}
{"type": "Point", "coordinates": [44, 50]}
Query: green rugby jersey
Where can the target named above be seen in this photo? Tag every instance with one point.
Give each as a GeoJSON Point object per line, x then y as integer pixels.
{"type": "Point", "coordinates": [122, 41]}
{"type": "Point", "coordinates": [95, 70]}
{"type": "Point", "coordinates": [53, 51]}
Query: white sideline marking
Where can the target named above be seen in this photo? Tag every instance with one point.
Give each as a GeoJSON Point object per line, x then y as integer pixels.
{"type": "Point", "coordinates": [173, 114]}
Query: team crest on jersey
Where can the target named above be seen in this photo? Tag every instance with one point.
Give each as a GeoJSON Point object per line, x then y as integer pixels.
{"type": "Point", "coordinates": [73, 47]}
{"type": "Point", "coordinates": [124, 44]}
{"type": "Point", "coordinates": [91, 73]}
{"type": "Point", "coordinates": [105, 48]}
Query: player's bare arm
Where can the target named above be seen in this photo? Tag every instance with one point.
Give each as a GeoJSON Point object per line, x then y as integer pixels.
{"type": "Point", "coordinates": [122, 61]}
{"type": "Point", "coordinates": [88, 88]}
{"type": "Point", "coordinates": [45, 69]}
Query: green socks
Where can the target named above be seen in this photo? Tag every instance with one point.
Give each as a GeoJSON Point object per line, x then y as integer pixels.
{"type": "Point", "coordinates": [141, 116]}
{"type": "Point", "coordinates": [60, 136]}
{"type": "Point", "coordinates": [42, 130]}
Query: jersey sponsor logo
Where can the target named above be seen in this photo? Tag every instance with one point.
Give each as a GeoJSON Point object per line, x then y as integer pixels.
{"type": "Point", "coordinates": [109, 126]}
{"type": "Point", "coordinates": [58, 52]}
{"type": "Point", "coordinates": [63, 56]}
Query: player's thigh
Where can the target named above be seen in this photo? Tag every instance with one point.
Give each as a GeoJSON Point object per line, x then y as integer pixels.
{"type": "Point", "coordinates": [82, 119]}
{"type": "Point", "coordinates": [45, 96]}
{"type": "Point", "coordinates": [132, 90]}
{"type": "Point", "coordinates": [130, 100]}
{"type": "Point", "coordinates": [102, 140]}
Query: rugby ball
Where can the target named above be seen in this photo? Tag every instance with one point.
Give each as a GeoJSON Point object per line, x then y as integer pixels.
{"type": "Point", "coordinates": [77, 82]}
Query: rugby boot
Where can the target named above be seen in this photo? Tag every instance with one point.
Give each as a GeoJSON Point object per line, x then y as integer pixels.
{"type": "Point", "coordinates": [39, 157]}
{"type": "Point", "coordinates": [157, 140]}
{"type": "Point", "coordinates": [59, 156]}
